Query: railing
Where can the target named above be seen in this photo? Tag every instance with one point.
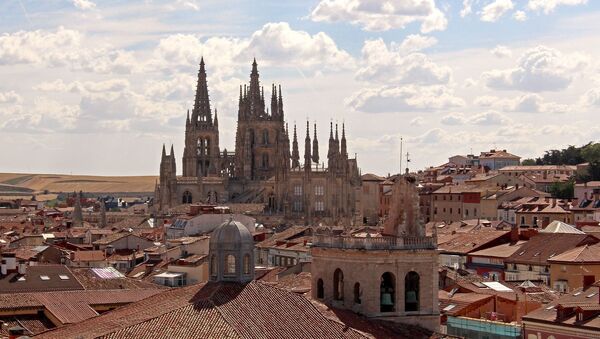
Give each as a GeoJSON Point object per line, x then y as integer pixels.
{"type": "Point", "coordinates": [376, 243]}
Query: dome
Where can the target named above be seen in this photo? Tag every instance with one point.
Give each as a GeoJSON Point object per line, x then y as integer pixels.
{"type": "Point", "coordinates": [231, 253]}
{"type": "Point", "coordinates": [231, 233]}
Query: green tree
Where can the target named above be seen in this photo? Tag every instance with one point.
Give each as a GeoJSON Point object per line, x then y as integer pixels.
{"type": "Point", "coordinates": [528, 162]}
{"type": "Point", "coordinates": [563, 190]}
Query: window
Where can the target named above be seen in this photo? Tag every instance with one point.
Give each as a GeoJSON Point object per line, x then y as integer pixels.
{"type": "Point", "coordinates": [474, 212]}
{"type": "Point", "coordinates": [230, 264]}
{"type": "Point", "coordinates": [64, 277]}
{"type": "Point", "coordinates": [411, 292]}
{"type": "Point", "coordinates": [338, 285]}
{"type": "Point", "coordinates": [357, 293]}
{"type": "Point", "coordinates": [319, 190]}
{"type": "Point", "coordinates": [44, 277]}
{"type": "Point", "coordinates": [563, 268]}
{"type": "Point", "coordinates": [387, 293]}
{"type": "Point", "coordinates": [450, 210]}
{"type": "Point", "coordinates": [522, 220]}
{"type": "Point", "coordinates": [466, 212]}
{"type": "Point", "coordinates": [320, 290]}
{"type": "Point", "coordinates": [297, 190]}
{"type": "Point", "coordinates": [319, 206]}
{"type": "Point", "coordinates": [265, 160]}
{"type": "Point", "coordinates": [298, 206]}
{"type": "Point", "coordinates": [213, 265]}
{"type": "Point", "coordinates": [459, 211]}
{"type": "Point", "coordinates": [247, 264]}
{"type": "Point", "coordinates": [187, 198]}
{"type": "Point", "coordinates": [265, 137]}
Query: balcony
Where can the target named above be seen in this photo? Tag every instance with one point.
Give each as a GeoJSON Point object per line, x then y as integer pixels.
{"type": "Point", "coordinates": [377, 243]}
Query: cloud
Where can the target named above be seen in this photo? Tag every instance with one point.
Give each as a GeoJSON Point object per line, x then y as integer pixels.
{"type": "Point", "coordinates": [501, 51]}
{"type": "Point", "coordinates": [520, 16]}
{"type": "Point", "coordinates": [539, 69]}
{"type": "Point", "coordinates": [381, 15]}
{"type": "Point", "coordinates": [62, 48]}
{"type": "Point", "coordinates": [591, 98]}
{"type": "Point", "coordinates": [416, 42]}
{"type": "Point", "coordinates": [467, 8]}
{"type": "Point", "coordinates": [418, 121]}
{"type": "Point", "coordinates": [390, 65]}
{"type": "Point", "coordinates": [84, 4]}
{"type": "Point", "coordinates": [527, 103]}
{"type": "Point", "coordinates": [489, 119]}
{"type": "Point", "coordinates": [548, 6]}
{"type": "Point", "coordinates": [274, 44]}
{"type": "Point", "coordinates": [411, 98]}
{"type": "Point", "coordinates": [10, 97]}
{"type": "Point", "coordinates": [494, 11]}
{"type": "Point", "coordinates": [453, 119]}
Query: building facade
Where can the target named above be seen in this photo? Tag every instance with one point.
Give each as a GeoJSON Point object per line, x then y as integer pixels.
{"type": "Point", "coordinates": [265, 166]}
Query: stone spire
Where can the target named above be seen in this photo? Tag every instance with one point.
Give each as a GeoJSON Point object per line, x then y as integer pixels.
{"type": "Point", "coordinates": [315, 149]}
{"type": "Point", "coordinates": [201, 110]}
{"type": "Point", "coordinates": [307, 156]}
{"type": "Point", "coordinates": [164, 152]}
{"type": "Point", "coordinates": [102, 213]}
{"type": "Point", "coordinates": [337, 140]}
{"type": "Point", "coordinates": [331, 152]}
{"type": "Point", "coordinates": [172, 159]}
{"type": "Point", "coordinates": [280, 104]}
{"type": "Point", "coordinates": [295, 152]}
{"type": "Point", "coordinates": [216, 120]}
{"type": "Point", "coordinates": [257, 104]}
{"type": "Point", "coordinates": [344, 147]}
{"type": "Point", "coordinates": [187, 120]}
{"type": "Point", "coordinates": [77, 218]}
{"type": "Point", "coordinates": [274, 104]}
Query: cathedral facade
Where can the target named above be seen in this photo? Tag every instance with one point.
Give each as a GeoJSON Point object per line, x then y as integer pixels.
{"type": "Point", "coordinates": [265, 167]}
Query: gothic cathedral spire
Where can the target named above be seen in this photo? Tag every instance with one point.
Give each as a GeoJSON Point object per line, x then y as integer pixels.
{"type": "Point", "coordinates": [307, 157]}
{"type": "Point", "coordinates": [295, 152]}
{"type": "Point", "coordinates": [201, 110]}
{"type": "Point", "coordinates": [315, 149]}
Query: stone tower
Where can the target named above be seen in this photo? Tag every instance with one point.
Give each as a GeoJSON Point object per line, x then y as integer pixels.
{"type": "Point", "coordinates": [393, 276]}
{"type": "Point", "coordinates": [260, 134]}
{"type": "Point", "coordinates": [201, 152]}
{"type": "Point", "coordinates": [77, 218]}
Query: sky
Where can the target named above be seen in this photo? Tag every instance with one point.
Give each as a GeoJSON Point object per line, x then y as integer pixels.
{"type": "Point", "coordinates": [97, 87]}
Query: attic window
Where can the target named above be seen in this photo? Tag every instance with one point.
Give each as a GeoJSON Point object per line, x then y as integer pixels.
{"type": "Point", "coordinates": [21, 279]}
{"type": "Point", "coordinates": [44, 277]}
{"type": "Point", "coordinates": [549, 308]}
{"type": "Point", "coordinates": [64, 277]}
{"type": "Point", "coordinates": [577, 293]}
{"type": "Point", "coordinates": [590, 295]}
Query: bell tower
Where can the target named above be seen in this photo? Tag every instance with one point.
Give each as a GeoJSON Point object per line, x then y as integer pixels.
{"type": "Point", "coordinates": [391, 276]}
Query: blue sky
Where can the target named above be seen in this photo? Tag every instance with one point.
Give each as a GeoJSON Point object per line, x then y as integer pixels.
{"type": "Point", "coordinates": [96, 87]}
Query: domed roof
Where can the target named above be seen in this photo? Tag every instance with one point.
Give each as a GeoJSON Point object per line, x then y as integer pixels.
{"type": "Point", "coordinates": [231, 233]}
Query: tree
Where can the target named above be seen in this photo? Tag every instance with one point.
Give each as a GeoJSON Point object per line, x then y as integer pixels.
{"type": "Point", "coordinates": [528, 162]}
{"type": "Point", "coordinates": [563, 190]}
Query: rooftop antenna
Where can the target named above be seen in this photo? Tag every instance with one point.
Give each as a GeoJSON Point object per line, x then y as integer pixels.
{"type": "Point", "coordinates": [401, 155]}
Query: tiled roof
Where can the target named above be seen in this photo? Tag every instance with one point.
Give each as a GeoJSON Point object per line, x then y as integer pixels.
{"type": "Point", "coordinates": [544, 246]}
{"type": "Point", "coordinates": [59, 278]}
{"type": "Point", "coordinates": [560, 227]}
{"type": "Point", "coordinates": [500, 251]}
{"type": "Point", "coordinates": [88, 256]}
{"type": "Point", "coordinates": [467, 242]}
{"type": "Point", "coordinates": [581, 254]}
{"type": "Point", "coordinates": [214, 310]}
{"type": "Point", "coordinates": [289, 233]}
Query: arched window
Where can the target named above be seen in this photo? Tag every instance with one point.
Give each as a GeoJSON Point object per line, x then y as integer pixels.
{"type": "Point", "coordinates": [230, 264]}
{"type": "Point", "coordinates": [338, 285]}
{"type": "Point", "coordinates": [357, 293]}
{"type": "Point", "coordinates": [213, 265]}
{"type": "Point", "coordinates": [411, 292]}
{"type": "Point", "coordinates": [265, 160]}
{"type": "Point", "coordinates": [186, 198]}
{"type": "Point", "coordinates": [265, 137]}
{"type": "Point", "coordinates": [387, 293]}
{"type": "Point", "coordinates": [320, 291]}
{"type": "Point", "coordinates": [247, 264]}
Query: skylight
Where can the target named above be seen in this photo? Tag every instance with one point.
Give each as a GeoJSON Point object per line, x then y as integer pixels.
{"type": "Point", "coordinates": [44, 277]}
{"type": "Point", "coordinates": [577, 293]}
{"type": "Point", "coordinates": [449, 307]}
{"type": "Point", "coordinates": [590, 295]}
{"type": "Point", "coordinates": [64, 277]}
{"type": "Point", "coordinates": [21, 279]}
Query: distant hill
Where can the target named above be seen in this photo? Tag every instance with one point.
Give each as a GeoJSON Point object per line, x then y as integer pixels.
{"type": "Point", "coordinates": [55, 183]}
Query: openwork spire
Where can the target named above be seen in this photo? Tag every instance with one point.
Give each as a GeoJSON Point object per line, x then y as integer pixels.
{"type": "Point", "coordinates": [344, 147]}
{"type": "Point", "coordinates": [295, 152]}
{"type": "Point", "coordinates": [315, 149]}
{"type": "Point", "coordinates": [201, 110]}
{"type": "Point", "coordinates": [307, 156]}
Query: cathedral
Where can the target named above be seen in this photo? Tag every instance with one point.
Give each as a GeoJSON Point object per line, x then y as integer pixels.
{"type": "Point", "coordinates": [265, 166]}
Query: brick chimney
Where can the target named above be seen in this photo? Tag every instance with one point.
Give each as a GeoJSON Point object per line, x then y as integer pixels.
{"type": "Point", "coordinates": [514, 234]}
{"type": "Point", "coordinates": [15, 332]}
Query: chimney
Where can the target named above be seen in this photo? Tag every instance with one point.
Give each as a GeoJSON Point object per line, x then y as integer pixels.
{"type": "Point", "coordinates": [15, 332]}
{"type": "Point", "coordinates": [22, 267]}
{"type": "Point", "coordinates": [514, 234]}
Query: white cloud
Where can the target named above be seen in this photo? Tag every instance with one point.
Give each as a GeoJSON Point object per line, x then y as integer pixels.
{"type": "Point", "coordinates": [274, 43]}
{"type": "Point", "coordinates": [418, 121]}
{"type": "Point", "coordinates": [416, 42]}
{"type": "Point", "coordinates": [389, 65]}
{"type": "Point", "coordinates": [520, 16]}
{"type": "Point", "coordinates": [453, 119]}
{"type": "Point", "coordinates": [539, 69]}
{"type": "Point", "coordinates": [591, 97]}
{"type": "Point", "coordinates": [111, 85]}
{"type": "Point", "coordinates": [84, 4]}
{"type": "Point", "coordinates": [528, 103]}
{"type": "Point", "coordinates": [404, 99]}
{"type": "Point", "coordinates": [489, 119]}
{"type": "Point", "coordinates": [501, 51]}
{"type": "Point", "coordinates": [10, 97]}
{"type": "Point", "coordinates": [494, 11]}
{"type": "Point", "coordinates": [467, 8]}
{"type": "Point", "coordinates": [382, 15]}
{"type": "Point", "coordinates": [548, 6]}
